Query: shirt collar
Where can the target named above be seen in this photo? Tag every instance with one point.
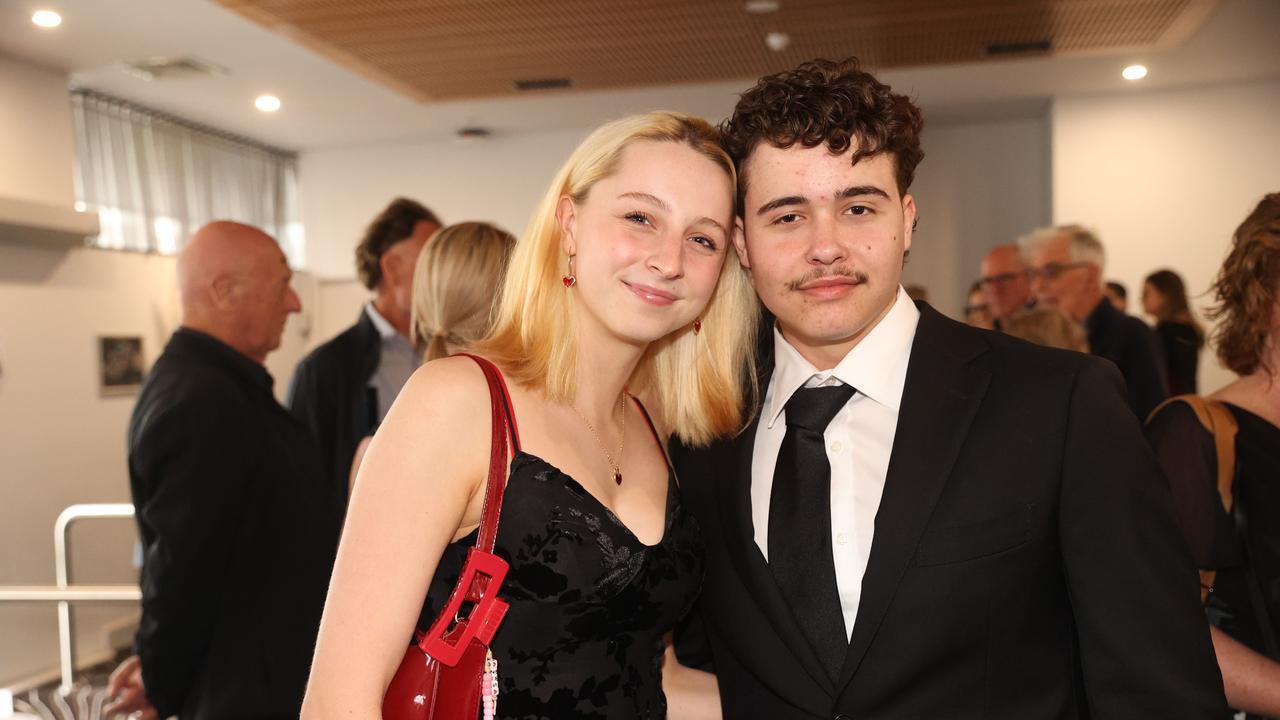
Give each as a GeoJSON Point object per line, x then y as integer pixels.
{"type": "Point", "coordinates": [385, 329]}
{"type": "Point", "coordinates": [213, 350]}
{"type": "Point", "coordinates": [876, 366]}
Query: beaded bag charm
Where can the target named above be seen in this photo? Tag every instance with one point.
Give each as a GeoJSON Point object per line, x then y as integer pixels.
{"type": "Point", "coordinates": [489, 686]}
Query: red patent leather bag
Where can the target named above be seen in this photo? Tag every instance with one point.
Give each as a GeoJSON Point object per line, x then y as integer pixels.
{"type": "Point", "coordinates": [442, 674]}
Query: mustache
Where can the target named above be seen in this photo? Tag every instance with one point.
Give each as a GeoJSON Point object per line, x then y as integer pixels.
{"type": "Point", "coordinates": [857, 276]}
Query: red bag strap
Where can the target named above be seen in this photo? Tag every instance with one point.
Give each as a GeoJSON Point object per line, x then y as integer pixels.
{"type": "Point", "coordinates": [496, 483]}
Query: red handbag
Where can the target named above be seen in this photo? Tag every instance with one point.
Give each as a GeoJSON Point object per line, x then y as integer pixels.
{"type": "Point", "coordinates": [448, 673]}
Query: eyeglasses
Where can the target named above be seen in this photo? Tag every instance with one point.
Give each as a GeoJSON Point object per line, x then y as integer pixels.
{"type": "Point", "coordinates": [1004, 278]}
{"type": "Point", "coordinates": [972, 309]}
{"type": "Point", "coordinates": [1054, 270]}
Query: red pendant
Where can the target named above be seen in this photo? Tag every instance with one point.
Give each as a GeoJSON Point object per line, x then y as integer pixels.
{"type": "Point", "coordinates": [569, 280]}
{"type": "Point", "coordinates": [617, 477]}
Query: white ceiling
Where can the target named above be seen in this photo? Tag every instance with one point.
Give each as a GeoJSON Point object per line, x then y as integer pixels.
{"type": "Point", "coordinates": [327, 105]}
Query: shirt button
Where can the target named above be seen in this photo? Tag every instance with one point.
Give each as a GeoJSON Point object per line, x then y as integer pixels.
{"type": "Point", "coordinates": [836, 447]}
{"type": "Point", "coordinates": [842, 539]}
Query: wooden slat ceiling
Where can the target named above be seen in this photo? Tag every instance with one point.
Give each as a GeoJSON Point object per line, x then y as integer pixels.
{"type": "Point", "coordinates": [454, 49]}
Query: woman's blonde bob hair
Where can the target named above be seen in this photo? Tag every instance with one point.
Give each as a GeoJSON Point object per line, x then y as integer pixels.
{"type": "Point", "coordinates": [454, 286]}
{"type": "Point", "coordinates": [700, 384]}
{"type": "Point", "coordinates": [1046, 326]}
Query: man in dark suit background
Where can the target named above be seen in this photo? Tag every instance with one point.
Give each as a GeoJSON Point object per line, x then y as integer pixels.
{"type": "Point", "coordinates": [238, 532]}
{"type": "Point", "coordinates": [921, 520]}
{"type": "Point", "coordinates": [342, 390]}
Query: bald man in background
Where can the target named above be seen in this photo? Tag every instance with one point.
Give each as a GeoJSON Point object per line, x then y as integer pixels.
{"type": "Point", "coordinates": [1006, 284]}
{"type": "Point", "coordinates": [237, 527]}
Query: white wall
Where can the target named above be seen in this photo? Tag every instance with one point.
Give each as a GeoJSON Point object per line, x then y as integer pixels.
{"type": "Point", "coordinates": [36, 152]}
{"type": "Point", "coordinates": [56, 441]}
{"type": "Point", "coordinates": [497, 180]}
{"type": "Point", "coordinates": [1165, 177]}
{"type": "Point", "coordinates": [980, 185]}
{"type": "Point", "coordinates": [61, 442]}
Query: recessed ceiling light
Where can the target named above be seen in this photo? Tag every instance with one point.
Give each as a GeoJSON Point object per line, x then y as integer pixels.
{"type": "Point", "coordinates": [1134, 72]}
{"type": "Point", "coordinates": [761, 7]}
{"type": "Point", "coordinates": [267, 103]}
{"type": "Point", "coordinates": [777, 41]}
{"type": "Point", "coordinates": [46, 19]}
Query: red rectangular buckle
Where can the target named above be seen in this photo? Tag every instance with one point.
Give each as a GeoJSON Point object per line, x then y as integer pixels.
{"type": "Point", "coordinates": [450, 635]}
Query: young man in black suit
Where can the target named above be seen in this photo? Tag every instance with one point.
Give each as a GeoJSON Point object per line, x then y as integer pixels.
{"type": "Point", "coordinates": [921, 519]}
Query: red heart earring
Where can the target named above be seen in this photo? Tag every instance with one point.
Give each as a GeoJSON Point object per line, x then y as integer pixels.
{"type": "Point", "coordinates": [570, 280]}
{"type": "Point", "coordinates": [697, 326]}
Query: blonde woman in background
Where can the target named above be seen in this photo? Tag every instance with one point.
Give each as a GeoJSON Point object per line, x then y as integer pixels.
{"type": "Point", "coordinates": [455, 283]}
{"type": "Point", "coordinates": [455, 286]}
{"type": "Point", "coordinates": [1046, 326]}
{"type": "Point", "coordinates": [625, 316]}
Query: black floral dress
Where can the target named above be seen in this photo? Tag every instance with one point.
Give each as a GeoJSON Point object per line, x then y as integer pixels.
{"type": "Point", "coordinates": [590, 603]}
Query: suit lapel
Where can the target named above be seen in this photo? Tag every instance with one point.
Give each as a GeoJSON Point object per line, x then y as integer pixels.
{"type": "Point", "coordinates": [735, 509]}
{"type": "Point", "coordinates": [943, 390]}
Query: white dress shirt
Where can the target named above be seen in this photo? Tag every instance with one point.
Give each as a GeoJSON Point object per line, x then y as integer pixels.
{"type": "Point", "coordinates": [859, 439]}
{"type": "Point", "coordinates": [397, 362]}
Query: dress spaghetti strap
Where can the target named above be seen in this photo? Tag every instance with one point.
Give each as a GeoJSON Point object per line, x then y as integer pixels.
{"type": "Point", "coordinates": [652, 429]}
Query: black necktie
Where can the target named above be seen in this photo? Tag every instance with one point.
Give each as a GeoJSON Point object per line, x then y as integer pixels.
{"type": "Point", "coordinates": [800, 522]}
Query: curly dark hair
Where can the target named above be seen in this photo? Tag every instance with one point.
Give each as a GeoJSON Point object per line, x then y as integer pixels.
{"type": "Point", "coordinates": [393, 224]}
{"type": "Point", "coordinates": [825, 102]}
{"type": "Point", "coordinates": [1247, 290]}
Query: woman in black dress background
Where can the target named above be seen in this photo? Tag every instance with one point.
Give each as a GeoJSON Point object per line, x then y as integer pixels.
{"type": "Point", "coordinates": [1164, 297]}
{"type": "Point", "coordinates": [1245, 615]}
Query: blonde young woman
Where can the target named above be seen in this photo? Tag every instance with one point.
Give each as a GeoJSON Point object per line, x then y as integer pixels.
{"type": "Point", "coordinates": [624, 316]}
{"type": "Point", "coordinates": [455, 283]}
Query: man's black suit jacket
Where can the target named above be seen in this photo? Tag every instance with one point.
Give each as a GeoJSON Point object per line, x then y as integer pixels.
{"type": "Point", "coordinates": [238, 537]}
{"type": "Point", "coordinates": [330, 394]}
{"type": "Point", "coordinates": [1135, 349]}
{"type": "Point", "coordinates": [1025, 562]}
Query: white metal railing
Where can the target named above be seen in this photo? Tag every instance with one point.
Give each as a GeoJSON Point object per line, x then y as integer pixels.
{"type": "Point", "coordinates": [64, 593]}
{"type": "Point", "coordinates": [77, 593]}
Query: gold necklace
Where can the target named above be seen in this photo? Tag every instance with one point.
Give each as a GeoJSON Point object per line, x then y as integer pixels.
{"type": "Point", "coordinates": [617, 468]}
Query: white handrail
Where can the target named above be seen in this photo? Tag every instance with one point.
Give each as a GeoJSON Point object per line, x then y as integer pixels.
{"type": "Point", "coordinates": [75, 593]}
{"type": "Point", "coordinates": [66, 633]}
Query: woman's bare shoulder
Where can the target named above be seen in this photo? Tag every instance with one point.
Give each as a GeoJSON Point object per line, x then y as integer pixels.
{"type": "Point", "coordinates": [452, 385]}
{"type": "Point", "coordinates": [440, 418]}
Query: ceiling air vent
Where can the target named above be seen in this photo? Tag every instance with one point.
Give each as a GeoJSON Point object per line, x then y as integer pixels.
{"type": "Point", "coordinates": [1035, 47]}
{"type": "Point", "coordinates": [544, 84]}
{"type": "Point", "coordinates": [171, 68]}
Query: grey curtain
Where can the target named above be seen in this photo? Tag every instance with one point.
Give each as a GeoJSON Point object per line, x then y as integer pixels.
{"type": "Point", "coordinates": [154, 178]}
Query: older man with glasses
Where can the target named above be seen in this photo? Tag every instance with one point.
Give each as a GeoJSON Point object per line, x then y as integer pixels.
{"type": "Point", "coordinates": [1067, 262]}
{"type": "Point", "coordinates": [1006, 282]}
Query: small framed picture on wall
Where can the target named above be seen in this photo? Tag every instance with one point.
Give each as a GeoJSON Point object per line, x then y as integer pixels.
{"type": "Point", "coordinates": [120, 368]}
